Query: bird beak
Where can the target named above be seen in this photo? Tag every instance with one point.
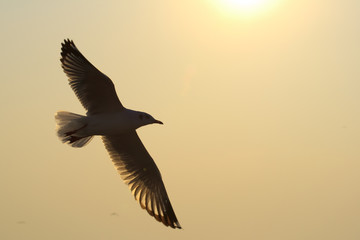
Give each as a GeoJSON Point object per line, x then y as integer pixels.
{"type": "Point", "coordinates": [159, 122]}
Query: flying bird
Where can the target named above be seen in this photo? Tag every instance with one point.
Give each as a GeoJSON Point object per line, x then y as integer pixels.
{"type": "Point", "coordinates": [116, 125]}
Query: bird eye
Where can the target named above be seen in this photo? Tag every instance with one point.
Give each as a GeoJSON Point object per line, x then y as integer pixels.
{"type": "Point", "coordinates": [147, 116]}
{"type": "Point", "coordinates": [141, 116]}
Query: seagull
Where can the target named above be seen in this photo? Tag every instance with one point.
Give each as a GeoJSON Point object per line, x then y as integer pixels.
{"type": "Point", "coordinates": [116, 125]}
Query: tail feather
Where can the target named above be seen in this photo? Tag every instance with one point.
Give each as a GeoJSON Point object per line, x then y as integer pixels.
{"type": "Point", "coordinates": [68, 126]}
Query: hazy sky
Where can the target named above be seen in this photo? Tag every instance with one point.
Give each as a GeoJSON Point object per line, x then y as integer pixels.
{"type": "Point", "coordinates": [261, 108]}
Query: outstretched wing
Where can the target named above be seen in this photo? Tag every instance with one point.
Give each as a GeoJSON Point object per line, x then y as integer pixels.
{"type": "Point", "coordinates": [140, 172]}
{"type": "Point", "coordinates": [94, 89]}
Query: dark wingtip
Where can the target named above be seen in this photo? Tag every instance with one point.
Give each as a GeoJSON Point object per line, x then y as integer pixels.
{"type": "Point", "coordinates": [65, 46]}
{"type": "Point", "coordinates": [68, 47]}
{"type": "Point", "coordinates": [176, 225]}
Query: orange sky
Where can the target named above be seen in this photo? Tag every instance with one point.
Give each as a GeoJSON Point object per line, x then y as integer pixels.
{"type": "Point", "coordinates": [261, 119]}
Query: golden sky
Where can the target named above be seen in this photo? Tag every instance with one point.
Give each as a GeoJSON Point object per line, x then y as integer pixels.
{"type": "Point", "coordinates": [260, 103]}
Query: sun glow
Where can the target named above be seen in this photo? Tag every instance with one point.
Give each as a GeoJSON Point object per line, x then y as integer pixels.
{"type": "Point", "coordinates": [244, 8]}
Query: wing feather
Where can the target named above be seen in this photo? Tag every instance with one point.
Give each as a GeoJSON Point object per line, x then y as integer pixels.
{"type": "Point", "coordinates": [94, 89]}
{"type": "Point", "coordinates": [139, 171]}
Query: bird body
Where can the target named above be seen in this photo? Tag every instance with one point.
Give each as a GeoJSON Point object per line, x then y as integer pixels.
{"type": "Point", "coordinates": [117, 125]}
{"type": "Point", "coordinates": [113, 123]}
{"type": "Point", "coordinates": [117, 122]}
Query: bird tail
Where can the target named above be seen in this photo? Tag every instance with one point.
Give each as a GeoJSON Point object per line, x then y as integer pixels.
{"type": "Point", "coordinates": [67, 127]}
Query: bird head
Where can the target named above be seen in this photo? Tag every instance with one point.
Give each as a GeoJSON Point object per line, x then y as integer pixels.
{"type": "Point", "coordinates": [145, 119]}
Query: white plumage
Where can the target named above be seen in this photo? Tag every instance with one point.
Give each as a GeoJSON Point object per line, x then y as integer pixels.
{"type": "Point", "coordinates": [107, 117]}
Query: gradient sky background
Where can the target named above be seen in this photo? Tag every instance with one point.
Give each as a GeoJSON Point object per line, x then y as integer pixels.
{"type": "Point", "coordinates": [261, 109]}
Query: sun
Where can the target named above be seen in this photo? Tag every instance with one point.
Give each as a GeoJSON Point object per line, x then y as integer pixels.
{"type": "Point", "coordinates": [244, 4]}
{"type": "Point", "coordinates": [244, 8]}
